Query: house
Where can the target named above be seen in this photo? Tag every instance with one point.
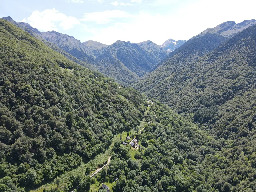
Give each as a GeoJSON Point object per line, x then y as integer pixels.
{"type": "Point", "coordinates": [103, 186]}
{"type": "Point", "coordinates": [128, 138]}
{"type": "Point", "coordinates": [134, 143]}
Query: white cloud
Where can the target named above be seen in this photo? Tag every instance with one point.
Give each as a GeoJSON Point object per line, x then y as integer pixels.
{"type": "Point", "coordinates": [165, 2]}
{"type": "Point", "coordinates": [51, 19]}
{"type": "Point", "coordinates": [116, 3]}
{"type": "Point", "coordinates": [142, 27]}
{"type": "Point", "coordinates": [136, 1]}
{"type": "Point", "coordinates": [184, 23]}
{"type": "Point", "coordinates": [76, 1]}
{"type": "Point", "coordinates": [105, 17]}
{"type": "Point", "coordinates": [158, 22]}
{"type": "Point", "coordinates": [200, 14]}
{"type": "Point", "coordinates": [130, 3]}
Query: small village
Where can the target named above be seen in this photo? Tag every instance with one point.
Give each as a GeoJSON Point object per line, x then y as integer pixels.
{"type": "Point", "coordinates": [133, 143]}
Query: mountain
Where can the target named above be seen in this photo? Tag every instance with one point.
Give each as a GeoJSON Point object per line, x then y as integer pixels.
{"type": "Point", "coordinates": [54, 113]}
{"type": "Point", "coordinates": [123, 61]}
{"type": "Point", "coordinates": [24, 26]}
{"type": "Point", "coordinates": [230, 28]}
{"type": "Point", "coordinates": [66, 128]}
{"type": "Point", "coordinates": [170, 45]}
{"type": "Point", "coordinates": [202, 61]}
{"type": "Point", "coordinates": [61, 49]}
{"type": "Point", "coordinates": [138, 58]}
{"type": "Point", "coordinates": [94, 45]}
{"type": "Point", "coordinates": [58, 118]}
{"type": "Point", "coordinates": [69, 44]}
{"type": "Point", "coordinates": [212, 79]}
{"type": "Point", "coordinates": [154, 52]}
{"type": "Point", "coordinates": [182, 58]}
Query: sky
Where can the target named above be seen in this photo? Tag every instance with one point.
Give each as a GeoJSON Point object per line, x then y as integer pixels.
{"type": "Point", "coordinates": [107, 21]}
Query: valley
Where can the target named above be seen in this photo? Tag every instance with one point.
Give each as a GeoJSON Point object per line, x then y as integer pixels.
{"type": "Point", "coordinates": [127, 116]}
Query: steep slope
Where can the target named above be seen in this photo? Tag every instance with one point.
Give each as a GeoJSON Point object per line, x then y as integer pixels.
{"type": "Point", "coordinates": [124, 62]}
{"type": "Point", "coordinates": [183, 65]}
{"type": "Point", "coordinates": [199, 86]}
{"type": "Point", "coordinates": [230, 28]}
{"type": "Point", "coordinates": [82, 53]}
{"type": "Point", "coordinates": [68, 44]}
{"type": "Point", "coordinates": [104, 63]}
{"type": "Point", "coordinates": [138, 58]}
{"type": "Point", "coordinates": [87, 60]}
{"type": "Point", "coordinates": [56, 116]}
{"type": "Point", "coordinates": [217, 90]}
{"type": "Point", "coordinates": [182, 58]}
{"type": "Point", "coordinates": [60, 122]}
{"type": "Point", "coordinates": [53, 112]}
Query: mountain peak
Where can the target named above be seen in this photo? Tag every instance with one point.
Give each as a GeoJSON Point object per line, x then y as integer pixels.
{"type": "Point", "coordinates": [94, 44]}
{"type": "Point", "coordinates": [8, 18]}
{"type": "Point", "coordinates": [230, 28]}
{"type": "Point", "coordinates": [121, 42]}
{"type": "Point", "coordinates": [147, 42]}
{"type": "Point", "coordinates": [245, 24]}
{"type": "Point", "coordinates": [171, 44]}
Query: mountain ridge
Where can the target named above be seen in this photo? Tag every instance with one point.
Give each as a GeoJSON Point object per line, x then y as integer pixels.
{"type": "Point", "coordinates": [122, 70]}
{"type": "Point", "coordinates": [202, 86]}
{"type": "Point", "coordinates": [230, 28]}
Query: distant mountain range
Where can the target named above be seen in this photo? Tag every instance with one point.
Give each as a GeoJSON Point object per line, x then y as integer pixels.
{"type": "Point", "coordinates": [123, 61]}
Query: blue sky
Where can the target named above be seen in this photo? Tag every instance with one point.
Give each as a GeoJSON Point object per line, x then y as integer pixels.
{"type": "Point", "coordinates": [129, 20]}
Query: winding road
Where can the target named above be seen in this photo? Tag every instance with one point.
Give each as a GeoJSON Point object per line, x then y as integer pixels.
{"type": "Point", "coordinates": [99, 169]}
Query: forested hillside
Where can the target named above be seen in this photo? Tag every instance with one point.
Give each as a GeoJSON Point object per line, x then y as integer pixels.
{"type": "Point", "coordinates": [54, 114]}
{"type": "Point", "coordinates": [216, 88]}
{"type": "Point", "coordinates": [58, 117]}
{"type": "Point", "coordinates": [200, 85]}
{"type": "Point", "coordinates": [64, 127]}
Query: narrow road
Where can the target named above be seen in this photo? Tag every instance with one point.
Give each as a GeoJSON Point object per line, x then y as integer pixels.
{"type": "Point", "coordinates": [99, 169]}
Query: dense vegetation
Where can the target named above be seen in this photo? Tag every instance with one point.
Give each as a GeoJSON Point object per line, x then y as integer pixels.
{"type": "Point", "coordinates": [57, 116]}
{"type": "Point", "coordinates": [54, 114]}
{"type": "Point", "coordinates": [201, 85]}
{"type": "Point", "coordinates": [216, 88]}
{"type": "Point", "coordinates": [60, 123]}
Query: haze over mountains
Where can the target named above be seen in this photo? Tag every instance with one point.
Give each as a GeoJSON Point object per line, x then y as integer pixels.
{"type": "Point", "coordinates": [127, 62]}
{"type": "Point", "coordinates": [123, 61]}
{"type": "Point", "coordinates": [61, 121]}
